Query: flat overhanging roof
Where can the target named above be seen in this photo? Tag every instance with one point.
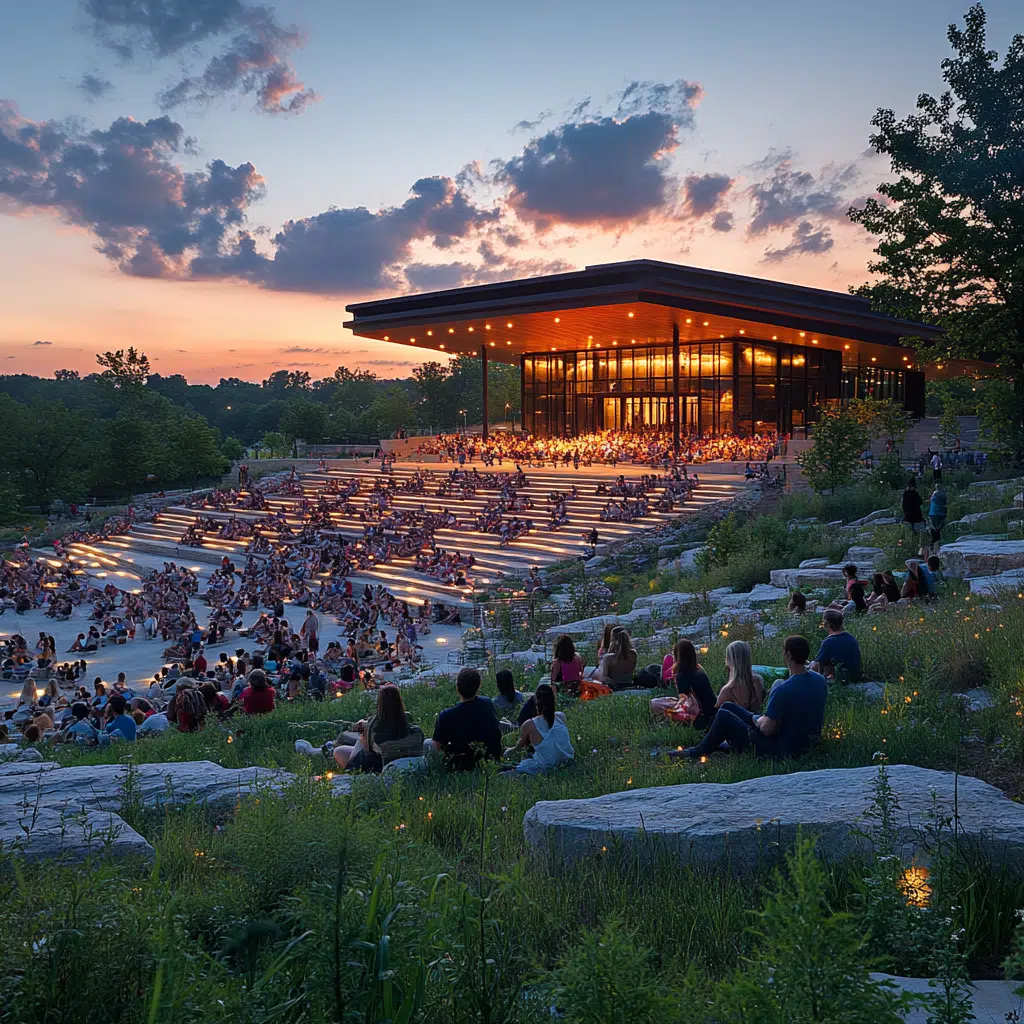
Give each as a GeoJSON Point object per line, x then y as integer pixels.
{"type": "Point", "coordinates": [622, 304]}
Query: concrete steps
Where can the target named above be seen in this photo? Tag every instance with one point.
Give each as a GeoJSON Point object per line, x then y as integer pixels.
{"type": "Point", "coordinates": [539, 547]}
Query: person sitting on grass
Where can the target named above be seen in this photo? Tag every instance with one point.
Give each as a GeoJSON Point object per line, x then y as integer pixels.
{"type": "Point", "coordinates": [390, 722]}
{"type": "Point", "coordinates": [547, 735]}
{"type": "Point", "coordinates": [797, 603]}
{"type": "Point", "coordinates": [567, 665]}
{"type": "Point", "coordinates": [744, 686]}
{"type": "Point", "coordinates": [791, 722]}
{"type": "Point", "coordinates": [928, 574]}
{"type": "Point", "coordinates": [469, 731]}
{"type": "Point", "coordinates": [509, 699]}
{"type": "Point", "coordinates": [118, 722]}
{"type": "Point", "coordinates": [839, 655]}
{"type": "Point", "coordinates": [258, 697]}
{"type": "Point", "coordinates": [81, 730]}
{"type": "Point", "coordinates": [691, 680]}
{"type": "Point", "coordinates": [618, 666]}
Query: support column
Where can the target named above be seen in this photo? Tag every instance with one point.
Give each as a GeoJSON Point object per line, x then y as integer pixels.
{"type": "Point", "coordinates": [483, 378]}
{"type": "Point", "coordinates": [675, 391]}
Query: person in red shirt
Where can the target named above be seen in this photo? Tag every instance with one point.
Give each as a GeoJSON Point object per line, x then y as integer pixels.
{"type": "Point", "coordinates": [258, 697]}
{"type": "Point", "coordinates": [217, 703]}
{"type": "Point", "coordinates": [199, 664]}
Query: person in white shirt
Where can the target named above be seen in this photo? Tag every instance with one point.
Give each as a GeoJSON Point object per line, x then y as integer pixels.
{"type": "Point", "coordinates": [547, 733]}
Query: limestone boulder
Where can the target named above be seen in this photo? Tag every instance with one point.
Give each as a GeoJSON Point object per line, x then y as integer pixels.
{"type": "Point", "coordinates": [1018, 500]}
{"type": "Point", "coordinates": [814, 563]}
{"type": "Point", "coordinates": [15, 752]}
{"type": "Point", "coordinates": [870, 691]}
{"type": "Point", "coordinates": [405, 766]}
{"type": "Point", "coordinates": [762, 594]}
{"type": "Point", "coordinates": [982, 517]}
{"type": "Point", "coordinates": [870, 519]}
{"type": "Point", "coordinates": [593, 626]}
{"type": "Point", "coordinates": [670, 601]}
{"type": "Point", "coordinates": [864, 555]}
{"type": "Point", "coordinates": [799, 579]}
{"type": "Point", "coordinates": [991, 1002]}
{"type": "Point", "coordinates": [44, 833]}
{"type": "Point", "coordinates": [1012, 579]}
{"type": "Point", "coordinates": [980, 556]}
{"type": "Point", "coordinates": [740, 823]}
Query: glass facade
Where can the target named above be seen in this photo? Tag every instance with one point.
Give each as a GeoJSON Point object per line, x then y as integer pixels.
{"type": "Point", "coordinates": [725, 387]}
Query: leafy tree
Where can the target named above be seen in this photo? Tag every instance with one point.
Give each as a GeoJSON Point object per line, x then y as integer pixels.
{"type": "Point", "coordinates": [131, 452]}
{"type": "Point", "coordinates": [276, 444]}
{"type": "Point", "coordinates": [881, 417]}
{"type": "Point", "coordinates": [232, 449]}
{"type": "Point", "coordinates": [288, 380]}
{"type": "Point", "coordinates": [195, 450]}
{"type": "Point", "coordinates": [304, 420]}
{"type": "Point", "coordinates": [949, 425]}
{"type": "Point", "coordinates": [951, 226]}
{"type": "Point", "coordinates": [43, 444]}
{"type": "Point", "coordinates": [839, 440]}
{"type": "Point", "coordinates": [124, 369]}
{"type": "Point", "coordinates": [437, 407]}
{"type": "Point", "coordinates": [389, 411]}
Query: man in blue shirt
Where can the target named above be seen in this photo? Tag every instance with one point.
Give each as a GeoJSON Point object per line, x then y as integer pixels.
{"type": "Point", "coordinates": [839, 654]}
{"type": "Point", "coordinates": [121, 724]}
{"type": "Point", "coordinates": [791, 722]}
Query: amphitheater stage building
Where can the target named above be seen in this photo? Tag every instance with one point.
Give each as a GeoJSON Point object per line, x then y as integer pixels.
{"type": "Point", "coordinates": [650, 345]}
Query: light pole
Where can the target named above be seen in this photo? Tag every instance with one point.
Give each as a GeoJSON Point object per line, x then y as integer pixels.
{"type": "Point", "coordinates": [508, 405]}
{"type": "Point", "coordinates": [465, 422]}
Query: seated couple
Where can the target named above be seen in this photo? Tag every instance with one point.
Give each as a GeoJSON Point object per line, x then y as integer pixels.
{"type": "Point", "coordinates": [791, 723]}
{"type": "Point", "coordinates": [697, 702]}
{"type": "Point", "coordinates": [470, 731]}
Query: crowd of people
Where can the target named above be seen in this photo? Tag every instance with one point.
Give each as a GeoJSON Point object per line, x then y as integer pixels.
{"type": "Point", "coordinates": [648, 448]}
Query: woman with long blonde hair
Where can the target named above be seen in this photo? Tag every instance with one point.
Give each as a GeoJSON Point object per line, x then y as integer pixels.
{"type": "Point", "coordinates": [744, 686]}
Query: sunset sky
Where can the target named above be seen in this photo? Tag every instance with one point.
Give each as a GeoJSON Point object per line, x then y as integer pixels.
{"type": "Point", "coordinates": [213, 180]}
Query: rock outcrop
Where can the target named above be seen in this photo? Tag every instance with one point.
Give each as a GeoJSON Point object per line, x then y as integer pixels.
{"type": "Point", "coordinates": [743, 823]}
{"type": "Point", "coordinates": [981, 556]}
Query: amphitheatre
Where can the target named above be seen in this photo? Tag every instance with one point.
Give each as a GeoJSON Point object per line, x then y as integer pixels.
{"type": "Point", "coordinates": [648, 649]}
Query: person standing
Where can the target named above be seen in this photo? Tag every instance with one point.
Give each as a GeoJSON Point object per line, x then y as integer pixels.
{"type": "Point", "coordinates": [911, 503]}
{"type": "Point", "coordinates": [937, 508]}
{"type": "Point", "coordinates": [936, 467]}
{"type": "Point", "coordinates": [310, 632]}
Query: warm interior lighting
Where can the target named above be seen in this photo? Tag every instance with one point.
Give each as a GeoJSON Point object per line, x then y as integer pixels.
{"type": "Point", "coordinates": [558, 319]}
{"type": "Point", "coordinates": [814, 341]}
{"type": "Point", "coordinates": [904, 359]}
{"type": "Point", "coordinates": [413, 340]}
{"type": "Point", "coordinates": [472, 329]}
{"type": "Point", "coordinates": [631, 316]}
{"type": "Point", "coordinates": [430, 334]}
{"type": "Point", "coordinates": [846, 347]}
{"type": "Point", "coordinates": [615, 343]}
{"type": "Point", "coordinates": [509, 324]}
{"type": "Point", "coordinates": [590, 337]}
{"type": "Point", "coordinates": [803, 334]}
{"type": "Point", "coordinates": [493, 344]}
{"type": "Point", "coordinates": [451, 330]}
{"type": "Point", "coordinates": [799, 360]}
{"type": "Point", "coordinates": [441, 345]}
{"type": "Point", "coordinates": [386, 338]}
{"type": "Point", "coordinates": [706, 324]}
{"type": "Point", "coordinates": [632, 341]}
{"type": "Point", "coordinates": [775, 337]}
{"type": "Point", "coordinates": [508, 342]}
{"type": "Point", "coordinates": [743, 332]}
{"type": "Point", "coordinates": [552, 348]}
{"type": "Point", "coordinates": [487, 327]}
{"type": "Point", "coordinates": [688, 320]}
{"type": "Point", "coordinates": [874, 359]}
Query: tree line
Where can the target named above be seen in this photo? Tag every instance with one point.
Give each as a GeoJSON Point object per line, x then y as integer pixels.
{"type": "Point", "coordinates": [125, 429]}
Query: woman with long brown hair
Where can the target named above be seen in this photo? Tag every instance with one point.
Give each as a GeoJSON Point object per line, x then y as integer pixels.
{"type": "Point", "coordinates": [389, 722]}
{"type": "Point", "coordinates": [691, 679]}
